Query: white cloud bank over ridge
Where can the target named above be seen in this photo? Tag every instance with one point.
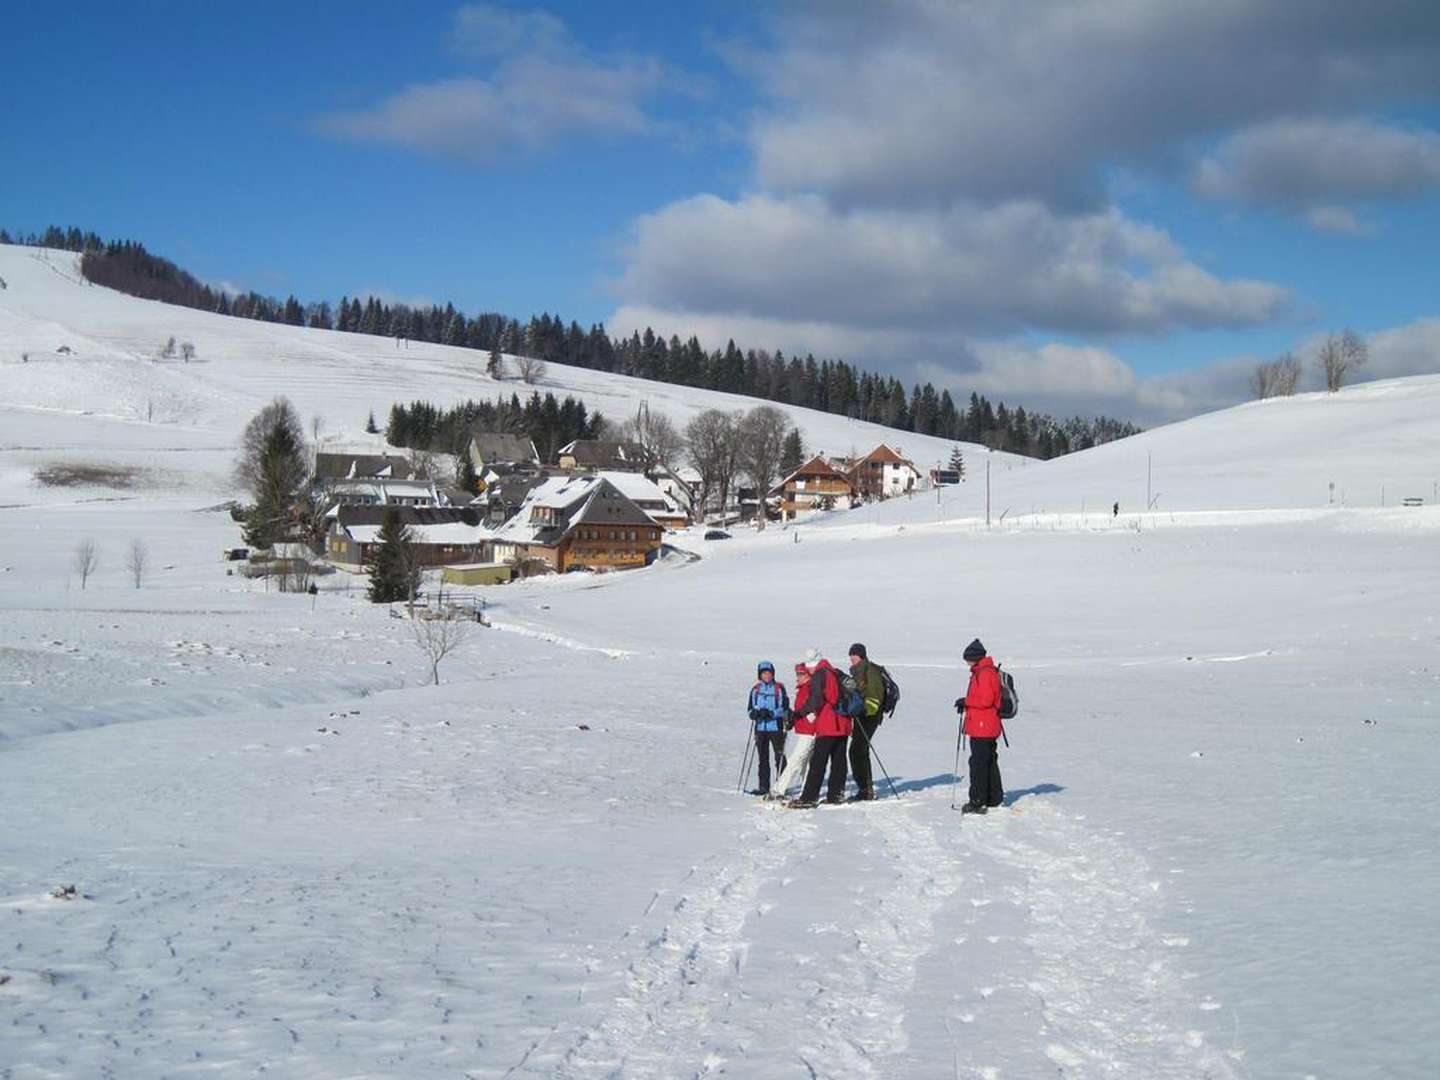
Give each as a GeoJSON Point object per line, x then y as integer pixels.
{"type": "Point", "coordinates": [929, 189]}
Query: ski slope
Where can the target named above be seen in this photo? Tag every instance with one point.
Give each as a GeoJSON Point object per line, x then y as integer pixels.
{"type": "Point", "coordinates": [293, 857]}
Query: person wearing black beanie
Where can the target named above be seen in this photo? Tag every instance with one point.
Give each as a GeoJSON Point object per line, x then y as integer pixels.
{"type": "Point", "coordinates": [872, 688]}
{"type": "Point", "coordinates": [980, 709]}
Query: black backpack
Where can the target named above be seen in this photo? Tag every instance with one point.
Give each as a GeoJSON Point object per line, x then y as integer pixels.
{"type": "Point", "coordinates": [1009, 696]}
{"type": "Point", "coordinates": [892, 692]}
{"type": "Point", "coordinates": [849, 700]}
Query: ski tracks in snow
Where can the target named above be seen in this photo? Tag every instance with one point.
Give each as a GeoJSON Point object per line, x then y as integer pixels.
{"type": "Point", "coordinates": [1110, 999]}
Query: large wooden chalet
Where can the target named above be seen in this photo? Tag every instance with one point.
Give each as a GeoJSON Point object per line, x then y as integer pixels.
{"type": "Point", "coordinates": [816, 485]}
{"type": "Point", "coordinates": [439, 535]}
{"type": "Point", "coordinates": [882, 474]}
{"type": "Point", "coordinates": [579, 522]}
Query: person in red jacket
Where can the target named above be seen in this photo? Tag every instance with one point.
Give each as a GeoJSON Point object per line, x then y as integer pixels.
{"type": "Point", "coordinates": [798, 758]}
{"type": "Point", "coordinates": [832, 731]}
{"type": "Point", "coordinates": [980, 708]}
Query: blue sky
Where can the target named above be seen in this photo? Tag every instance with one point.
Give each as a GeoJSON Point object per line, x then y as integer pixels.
{"type": "Point", "coordinates": [1110, 207]}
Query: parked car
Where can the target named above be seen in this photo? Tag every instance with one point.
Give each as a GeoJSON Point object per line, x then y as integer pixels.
{"type": "Point", "coordinates": [716, 534]}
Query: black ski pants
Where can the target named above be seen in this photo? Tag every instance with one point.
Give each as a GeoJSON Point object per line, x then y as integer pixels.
{"type": "Point", "coordinates": [829, 750]}
{"type": "Point", "coordinates": [860, 739]}
{"type": "Point", "coordinates": [985, 788]}
{"type": "Point", "coordinates": [766, 743]}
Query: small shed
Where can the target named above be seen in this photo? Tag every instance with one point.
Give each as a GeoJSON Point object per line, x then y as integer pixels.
{"type": "Point", "coordinates": [479, 573]}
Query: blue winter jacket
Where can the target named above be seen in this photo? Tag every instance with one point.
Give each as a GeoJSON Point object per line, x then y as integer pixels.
{"type": "Point", "coordinates": [770, 697]}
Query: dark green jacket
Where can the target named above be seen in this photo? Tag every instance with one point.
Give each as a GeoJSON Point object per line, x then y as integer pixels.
{"type": "Point", "coordinates": [872, 687]}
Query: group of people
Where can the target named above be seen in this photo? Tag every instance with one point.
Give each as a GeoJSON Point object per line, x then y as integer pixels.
{"type": "Point", "coordinates": [828, 737]}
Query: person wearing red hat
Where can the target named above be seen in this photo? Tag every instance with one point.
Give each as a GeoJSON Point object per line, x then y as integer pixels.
{"type": "Point", "coordinates": [797, 758]}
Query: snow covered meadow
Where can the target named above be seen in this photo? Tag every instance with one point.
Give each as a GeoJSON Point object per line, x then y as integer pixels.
{"type": "Point", "coordinates": [293, 857]}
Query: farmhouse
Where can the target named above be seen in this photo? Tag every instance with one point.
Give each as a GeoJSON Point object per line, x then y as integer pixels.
{"type": "Point", "coordinates": [579, 522]}
{"type": "Point", "coordinates": [491, 448]}
{"type": "Point", "coordinates": [594, 455]}
{"type": "Point", "coordinates": [331, 465]}
{"type": "Point", "coordinates": [449, 534]}
{"type": "Point", "coordinates": [816, 485]}
{"type": "Point", "coordinates": [883, 474]}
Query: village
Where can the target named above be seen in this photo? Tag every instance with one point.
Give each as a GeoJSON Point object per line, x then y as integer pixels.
{"type": "Point", "coordinates": [602, 505]}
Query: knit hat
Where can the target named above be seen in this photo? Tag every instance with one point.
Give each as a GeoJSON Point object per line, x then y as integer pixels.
{"type": "Point", "coordinates": [859, 650]}
{"type": "Point", "coordinates": [812, 657]}
{"type": "Point", "coordinates": [974, 651]}
{"type": "Point", "coordinates": [801, 669]}
{"type": "Point", "coordinates": [764, 665]}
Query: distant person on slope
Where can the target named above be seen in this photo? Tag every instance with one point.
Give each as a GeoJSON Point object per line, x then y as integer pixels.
{"type": "Point", "coordinates": [831, 731]}
{"type": "Point", "coordinates": [769, 707]}
{"type": "Point", "coordinates": [980, 708]}
{"type": "Point", "coordinates": [872, 689]}
{"type": "Point", "coordinates": [798, 759]}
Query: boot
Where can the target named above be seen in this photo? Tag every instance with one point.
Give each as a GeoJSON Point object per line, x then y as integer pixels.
{"type": "Point", "coordinates": [865, 794]}
{"type": "Point", "coordinates": [973, 808]}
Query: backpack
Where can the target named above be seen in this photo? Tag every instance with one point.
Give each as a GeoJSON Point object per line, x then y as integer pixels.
{"type": "Point", "coordinates": [850, 703]}
{"type": "Point", "coordinates": [1009, 696]}
{"type": "Point", "coordinates": [892, 692]}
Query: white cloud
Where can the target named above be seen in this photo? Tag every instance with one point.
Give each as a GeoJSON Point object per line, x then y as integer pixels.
{"type": "Point", "coordinates": [962, 271]}
{"type": "Point", "coordinates": [1336, 219]}
{"type": "Point", "coordinates": [898, 102]}
{"type": "Point", "coordinates": [1313, 165]}
{"type": "Point", "coordinates": [543, 89]}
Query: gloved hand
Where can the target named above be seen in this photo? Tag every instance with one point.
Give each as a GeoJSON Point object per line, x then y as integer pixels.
{"type": "Point", "coordinates": [959, 704]}
{"type": "Point", "coordinates": [770, 714]}
{"type": "Point", "coordinates": [755, 714]}
{"type": "Point", "coordinates": [790, 723]}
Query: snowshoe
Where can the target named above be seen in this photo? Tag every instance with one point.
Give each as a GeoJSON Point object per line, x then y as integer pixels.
{"type": "Point", "coordinates": [973, 808]}
{"type": "Point", "coordinates": [801, 804]}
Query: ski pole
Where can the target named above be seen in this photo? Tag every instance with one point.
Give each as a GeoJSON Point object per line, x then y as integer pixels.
{"type": "Point", "coordinates": [870, 748]}
{"type": "Point", "coordinates": [955, 784]}
{"type": "Point", "coordinates": [745, 759]}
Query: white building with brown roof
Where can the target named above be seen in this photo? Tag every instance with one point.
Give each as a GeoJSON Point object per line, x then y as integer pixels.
{"type": "Point", "coordinates": [883, 473]}
{"type": "Point", "coordinates": [816, 485]}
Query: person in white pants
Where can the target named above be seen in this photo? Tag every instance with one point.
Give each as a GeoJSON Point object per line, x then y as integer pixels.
{"type": "Point", "coordinates": [797, 754]}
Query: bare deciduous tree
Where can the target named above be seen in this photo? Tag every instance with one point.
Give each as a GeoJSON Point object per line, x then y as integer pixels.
{"type": "Point", "coordinates": [137, 561]}
{"type": "Point", "coordinates": [187, 351]}
{"type": "Point", "coordinates": [422, 463]}
{"type": "Point", "coordinates": [761, 445]}
{"type": "Point", "coordinates": [656, 435]}
{"type": "Point", "coordinates": [531, 369]}
{"type": "Point", "coordinates": [1340, 356]}
{"type": "Point", "coordinates": [85, 560]}
{"type": "Point", "coordinates": [1276, 378]}
{"type": "Point", "coordinates": [438, 634]}
{"type": "Point", "coordinates": [712, 443]}
{"type": "Point", "coordinates": [168, 349]}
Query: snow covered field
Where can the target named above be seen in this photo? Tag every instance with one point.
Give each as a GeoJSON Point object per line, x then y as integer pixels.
{"type": "Point", "coordinates": [1218, 857]}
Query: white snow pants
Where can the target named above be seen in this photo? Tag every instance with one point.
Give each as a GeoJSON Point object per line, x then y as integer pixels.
{"type": "Point", "coordinates": [797, 760]}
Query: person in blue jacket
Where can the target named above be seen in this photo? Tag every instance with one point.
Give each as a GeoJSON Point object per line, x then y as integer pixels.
{"type": "Point", "coordinates": [769, 709]}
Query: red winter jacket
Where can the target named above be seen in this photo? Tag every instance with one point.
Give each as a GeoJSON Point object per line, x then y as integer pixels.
{"type": "Point", "coordinates": [803, 724]}
{"type": "Point", "coordinates": [821, 699]}
{"type": "Point", "coordinates": [982, 701]}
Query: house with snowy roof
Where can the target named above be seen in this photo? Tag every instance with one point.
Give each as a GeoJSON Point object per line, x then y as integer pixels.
{"type": "Point", "coordinates": [579, 522]}
{"type": "Point", "coordinates": [648, 496]}
{"type": "Point", "coordinates": [440, 535]}
{"type": "Point", "coordinates": [597, 454]}
{"type": "Point", "coordinates": [492, 448]}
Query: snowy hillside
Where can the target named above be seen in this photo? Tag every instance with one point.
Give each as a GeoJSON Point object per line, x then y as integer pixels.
{"type": "Point", "coordinates": [291, 856]}
{"type": "Point", "coordinates": [112, 368]}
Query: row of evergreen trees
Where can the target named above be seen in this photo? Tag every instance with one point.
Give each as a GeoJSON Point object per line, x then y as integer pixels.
{"type": "Point", "coordinates": [833, 386]}
{"type": "Point", "coordinates": [546, 421]}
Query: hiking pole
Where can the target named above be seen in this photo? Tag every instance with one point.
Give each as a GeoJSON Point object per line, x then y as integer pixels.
{"type": "Point", "coordinates": [745, 759]}
{"type": "Point", "coordinates": [955, 785]}
{"type": "Point", "coordinates": [870, 748]}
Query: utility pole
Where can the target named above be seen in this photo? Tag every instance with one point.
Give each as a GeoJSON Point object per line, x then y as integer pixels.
{"type": "Point", "coordinates": [1147, 480]}
{"type": "Point", "coordinates": [987, 492]}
